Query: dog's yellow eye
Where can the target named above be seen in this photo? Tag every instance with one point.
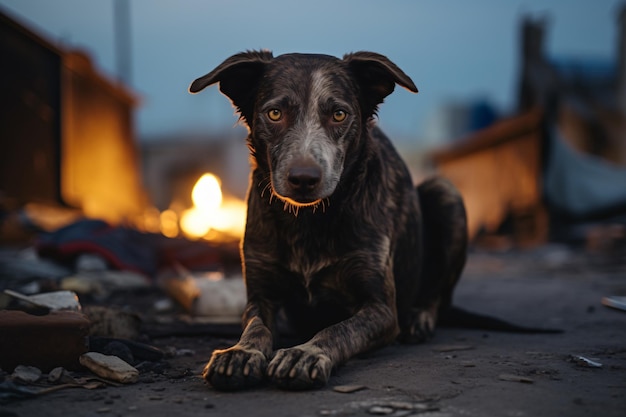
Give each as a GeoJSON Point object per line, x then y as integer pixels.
{"type": "Point", "coordinates": [275, 115]}
{"type": "Point", "coordinates": [339, 116]}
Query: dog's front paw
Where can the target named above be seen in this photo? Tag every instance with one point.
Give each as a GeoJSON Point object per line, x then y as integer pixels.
{"type": "Point", "coordinates": [235, 368]}
{"type": "Point", "coordinates": [300, 367]}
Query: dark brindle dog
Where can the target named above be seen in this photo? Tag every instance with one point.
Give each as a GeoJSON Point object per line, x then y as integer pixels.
{"type": "Point", "coordinates": [337, 237]}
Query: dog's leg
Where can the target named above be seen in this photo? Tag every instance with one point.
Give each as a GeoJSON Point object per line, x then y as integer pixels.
{"type": "Point", "coordinates": [445, 247]}
{"type": "Point", "coordinates": [309, 365]}
{"type": "Point", "coordinates": [244, 365]}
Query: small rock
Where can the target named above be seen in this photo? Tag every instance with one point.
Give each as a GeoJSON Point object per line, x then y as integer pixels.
{"type": "Point", "coordinates": [348, 389]}
{"type": "Point", "coordinates": [26, 374]}
{"type": "Point", "coordinates": [55, 374]}
{"type": "Point", "coordinates": [402, 405]}
{"type": "Point", "coordinates": [380, 410]}
{"type": "Point", "coordinates": [60, 375]}
{"type": "Point", "coordinates": [109, 367]}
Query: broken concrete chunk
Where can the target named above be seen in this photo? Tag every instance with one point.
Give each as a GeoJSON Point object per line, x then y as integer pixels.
{"type": "Point", "coordinates": [60, 375]}
{"type": "Point", "coordinates": [52, 301]}
{"type": "Point", "coordinates": [26, 374]}
{"type": "Point", "coordinates": [109, 367]}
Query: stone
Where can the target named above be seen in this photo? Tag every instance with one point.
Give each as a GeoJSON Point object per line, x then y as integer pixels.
{"type": "Point", "coordinates": [109, 367]}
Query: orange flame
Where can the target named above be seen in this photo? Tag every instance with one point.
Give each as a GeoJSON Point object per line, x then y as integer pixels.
{"type": "Point", "coordinates": [212, 211]}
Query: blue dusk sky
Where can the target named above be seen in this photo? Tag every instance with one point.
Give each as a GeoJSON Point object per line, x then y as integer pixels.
{"type": "Point", "coordinates": [454, 50]}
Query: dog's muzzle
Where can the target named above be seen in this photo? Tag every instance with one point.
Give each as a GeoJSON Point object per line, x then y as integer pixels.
{"type": "Point", "coordinates": [302, 183]}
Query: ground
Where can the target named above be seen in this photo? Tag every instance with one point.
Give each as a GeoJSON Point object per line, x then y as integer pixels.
{"type": "Point", "coordinates": [459, 373]}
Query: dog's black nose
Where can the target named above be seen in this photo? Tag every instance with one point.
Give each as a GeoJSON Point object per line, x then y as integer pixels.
{"type": "Point", "coordinates": [304, 178]}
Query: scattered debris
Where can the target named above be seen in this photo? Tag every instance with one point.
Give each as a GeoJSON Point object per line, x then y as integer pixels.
{"type": "Point", "coordinates": [452, 348]}
{"type": "Point", "coordinates": [205, 294]}
{"type": "Point", "coordinates": [26, 374]}
{"type": "Point", "coordinates": [348, 389]}
{"type": "Point", "coordinates": [109, 367]}
{"type": "Point", "coordinates": [139, 351]}
{"type": "Point", "coordinates": [616, 302]}
{"type": "Point", "coordinates": [584, 362]}
{"type": "Point", "coordinates": [60, 375]}
{"type": "Point", "coordinates": [51, 301]}
{"type": "Point", "coordinates": [110, 322]}
{"type": "Point", "coordinates": [515, 378]}
{"type": "Point", "coordinates": [100, 284]}
{"type": "Point", "coordinates": [380, 410]}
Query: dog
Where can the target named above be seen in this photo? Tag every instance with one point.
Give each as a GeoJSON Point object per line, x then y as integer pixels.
{"type": "Point", "coordinates": [338, 239]}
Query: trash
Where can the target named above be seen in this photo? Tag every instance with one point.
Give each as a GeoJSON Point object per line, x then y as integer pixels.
{"type": "Point", "coordinates": [110, 322]}
{"type": "Point", "coordinates": [102, 283]}
{"type": "Point", "coordinates": [90, 262]}
{"type": "Point", "coordinates": [616, 302]}
{"type": "Point", "coordinates": [51, 301]}
{"type": "Point", "coordinates": [584, 362]}
{"type": "Point", "coordinates": [139, 351]}
{"type": "Point", "coordinates": [515, 378]}
{"type": "Point", "coordinates": [206, 294]}
{"type": "Point", "coordinates": [48, 341]}
{"type": "Point", "coordinates": [348, 389]}
{"type": "Point", "coordinates": [26, 374]}
{"type": "Point", "coordinates": [109, 367]}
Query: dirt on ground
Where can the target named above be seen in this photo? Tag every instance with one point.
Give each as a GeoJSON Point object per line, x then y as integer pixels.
{"type": "Point", "coordinates": [461, 372]}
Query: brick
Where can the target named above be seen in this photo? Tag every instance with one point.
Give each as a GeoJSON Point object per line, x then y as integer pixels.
{"type": "Point", "coordinates": [47, 341]}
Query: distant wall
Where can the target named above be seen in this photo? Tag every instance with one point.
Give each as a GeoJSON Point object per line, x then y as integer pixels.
{"type": "Point", "coordinates": [498, 172]}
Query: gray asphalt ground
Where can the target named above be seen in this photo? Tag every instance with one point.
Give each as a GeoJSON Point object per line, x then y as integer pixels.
{"type": "Point", "coordinates": [459, 373]}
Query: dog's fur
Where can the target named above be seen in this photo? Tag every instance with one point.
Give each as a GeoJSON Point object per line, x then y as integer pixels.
{"type": "Point", "coordinates": [337, 237]}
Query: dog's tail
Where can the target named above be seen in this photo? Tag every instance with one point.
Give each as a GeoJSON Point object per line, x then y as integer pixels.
{"type": "Point", "coordinates": [457, 317]}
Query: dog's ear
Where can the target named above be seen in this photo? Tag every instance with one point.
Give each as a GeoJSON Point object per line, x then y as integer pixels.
{"type": "Point", "coordinates": [239, 77]}
{"type": "Point", "coordinates": [376, 76]}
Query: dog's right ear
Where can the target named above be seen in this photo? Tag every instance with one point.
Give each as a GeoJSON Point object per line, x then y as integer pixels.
{"type": "Point", "coordinates": [239, 77]}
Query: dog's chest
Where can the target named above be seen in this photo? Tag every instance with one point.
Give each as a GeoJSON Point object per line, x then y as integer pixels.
{"type": "Point", "coordinates": [307, 262]}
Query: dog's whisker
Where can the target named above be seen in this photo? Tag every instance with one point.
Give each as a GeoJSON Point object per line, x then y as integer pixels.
{"type": "Point", "coordinates": [267, 187]}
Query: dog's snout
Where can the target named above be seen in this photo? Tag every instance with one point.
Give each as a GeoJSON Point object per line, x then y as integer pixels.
{"type": "Point", "coordinates": [304, 178]}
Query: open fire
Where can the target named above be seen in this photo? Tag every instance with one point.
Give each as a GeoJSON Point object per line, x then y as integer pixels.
{"type": "Point", "coordinates": [213, 214]}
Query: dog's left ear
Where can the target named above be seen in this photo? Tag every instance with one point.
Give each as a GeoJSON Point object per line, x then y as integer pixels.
{"type": "Point", "coordinates": [377, 77]}
{"type": "Point", "coordinates": [239, 77]}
